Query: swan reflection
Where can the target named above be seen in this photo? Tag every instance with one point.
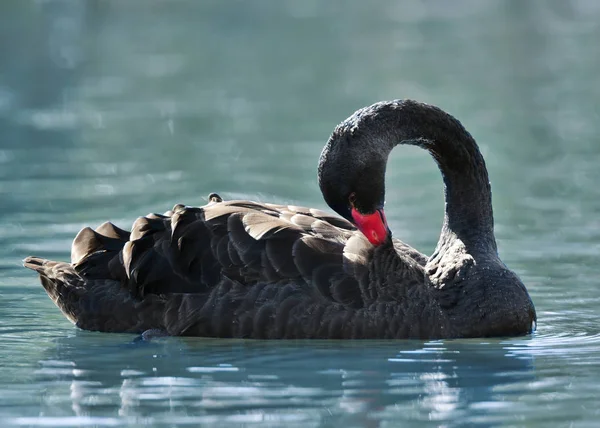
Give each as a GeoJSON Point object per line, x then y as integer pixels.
{"type": "Point", "coordinates": [305, 383]}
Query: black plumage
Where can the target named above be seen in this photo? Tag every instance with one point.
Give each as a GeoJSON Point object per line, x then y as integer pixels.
{"type": "Point", "coordinates": [257, 270]}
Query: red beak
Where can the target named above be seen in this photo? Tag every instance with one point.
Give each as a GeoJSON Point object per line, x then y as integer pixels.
{"type": "Point", "coordinates": [373, 226]}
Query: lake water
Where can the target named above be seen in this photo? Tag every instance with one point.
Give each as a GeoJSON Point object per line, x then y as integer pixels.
{"type": "Point", "coordinates": [111, 110]}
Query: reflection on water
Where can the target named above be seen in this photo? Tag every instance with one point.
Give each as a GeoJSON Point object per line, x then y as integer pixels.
{"type": "Point", "coordinates": [304, 383]}
{"type": "Point", "coordinates": [111, 110]}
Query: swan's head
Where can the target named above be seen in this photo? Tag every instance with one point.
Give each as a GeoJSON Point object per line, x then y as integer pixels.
{"type": "Point", "coordinates": [352, 180]}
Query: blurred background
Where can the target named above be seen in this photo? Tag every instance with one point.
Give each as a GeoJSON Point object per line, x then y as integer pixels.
{"type": "Point", "coordinates": [114, 109]}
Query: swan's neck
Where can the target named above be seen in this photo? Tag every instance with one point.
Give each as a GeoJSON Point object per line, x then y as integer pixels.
{"type": "Point", "coordinates": [468, 215]}
{"type": "Point", "coordinates": [468, 212]}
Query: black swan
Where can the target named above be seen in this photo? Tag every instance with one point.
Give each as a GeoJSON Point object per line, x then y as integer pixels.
{"type": "Point", "coordinates": [256, 270]}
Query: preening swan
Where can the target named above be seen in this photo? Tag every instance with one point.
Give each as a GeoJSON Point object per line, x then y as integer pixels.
{"type": "Point", "coordinates": [256, 270]}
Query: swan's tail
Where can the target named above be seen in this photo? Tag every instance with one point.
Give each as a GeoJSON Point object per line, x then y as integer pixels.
{"type": "Point", "coordinates": [98, 304]}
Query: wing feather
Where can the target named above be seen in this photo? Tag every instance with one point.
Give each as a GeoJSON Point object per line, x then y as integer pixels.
{"type": "Point", "coordinates": [258, 247]}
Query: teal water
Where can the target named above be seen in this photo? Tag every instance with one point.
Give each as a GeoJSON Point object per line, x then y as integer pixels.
{"type": "Point", "coordinates": [111, 110]}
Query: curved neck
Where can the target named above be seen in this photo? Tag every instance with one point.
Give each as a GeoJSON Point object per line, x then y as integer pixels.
{"type": "Point", "coordinates": [468, 211]}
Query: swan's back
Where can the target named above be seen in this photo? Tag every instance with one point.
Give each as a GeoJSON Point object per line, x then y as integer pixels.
{"type": "Point", "coordinates": [228, 269]}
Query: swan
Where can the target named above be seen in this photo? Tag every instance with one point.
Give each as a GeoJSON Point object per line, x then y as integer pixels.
{"type": "Point", "coordinates": [237, 268]}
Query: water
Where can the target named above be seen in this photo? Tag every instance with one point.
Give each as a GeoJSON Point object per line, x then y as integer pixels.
{"type": "Point", "coordinates": [111, 110]}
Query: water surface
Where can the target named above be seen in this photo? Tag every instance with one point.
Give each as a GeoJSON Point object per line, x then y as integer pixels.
{"type": "Point", "coordinates": [111, 110]}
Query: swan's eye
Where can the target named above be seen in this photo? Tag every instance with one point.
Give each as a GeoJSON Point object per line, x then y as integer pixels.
{"type": "Point", "coordinates": [352, 198]}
